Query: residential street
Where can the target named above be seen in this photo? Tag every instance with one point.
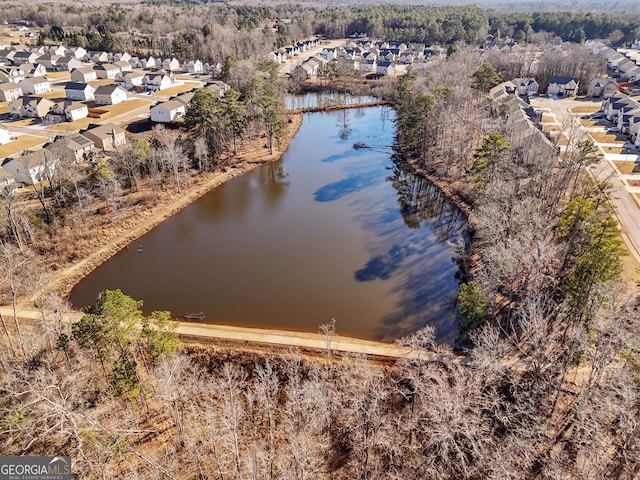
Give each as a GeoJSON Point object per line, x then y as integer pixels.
{"type": "Point", "coordinates": [626, 207]}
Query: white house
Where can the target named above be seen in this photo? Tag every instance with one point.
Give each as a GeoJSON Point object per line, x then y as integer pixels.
{"type": "Point", "coordinates": [563, 86]}
{"type": "Point", "coordinates": [171, 64]}
{"type": "Point", "coordinates": [168, 112]}
{"type": "Point", "coordinates": [66, 64]}
{"type": "Point", "coordinates": [5, 136]}
{"type": "Point", "coordinates": [124, 66]}
{"type": "Point", "coordinates": [79, 91]}
{"type": "Point", "coordinates": [526, 87]}
{"type": "Point", "coordinates": [131, 80]}
{"type": "Point", "coordinates": [110, 95]}
{"type": "Point", "coordinates": [77, 52]}
{"type": "Point", "coordinates": [31, 167]}
{"type": "Point", "coordinates": [148, 62]}
{"type": "Point", "coordinates": [107, 70]}
{"type": "Point", "coordinates": [10, 91]}
{"type": "Point", "coordinates": [33, 70]}
{"type": "Point", "coordinates": [193, 66]}
{"type": "Point", "coordinates": [83, 75]}
{"type": "Point", "coordinates": [67, 110]}
{"type": "Point", "coordinates": [35, 85]}
{"type": "Point", "coordinates": [157, 81]}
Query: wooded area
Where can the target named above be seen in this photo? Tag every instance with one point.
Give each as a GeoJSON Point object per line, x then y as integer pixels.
{"type": "Point", "coordinates": [546, 384]}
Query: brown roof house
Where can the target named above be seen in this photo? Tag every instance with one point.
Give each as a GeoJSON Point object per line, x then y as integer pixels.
{"type": "Point", "coordinates": [107, 136]}
{"type": "Point", "coordinates": [77, 145]}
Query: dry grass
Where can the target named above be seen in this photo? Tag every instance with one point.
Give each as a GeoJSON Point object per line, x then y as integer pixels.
{"type": "Point", "coordinates": [563, 140]}
{"type": "Point", "coordinates": [608, 137]}
{"type": "Point", "coordinates": [101, 81]}
{"type": "Point", "coordinates": [4, 107]}
{"type": "Point", "coordinates": [551, 128]}
{"type": "Point", "coordinates": [23, 142]}
{"type": "Point", "coordinates": [627, 168]}
{"type": "Point", "coordinates": [169, 92]}
{"type": "Point", "coordinates": [634, 183]}
{"type": "Point", "coordinates": [74, 126]}
{"type": "Point", "coordinates": [59, 75]}
{"type": "Point", "coordinates": [585, 109]}
{"type": "Point", "coordinates": [25, 122]}
{"type": "Point", "coordinates": [549, 119]}
{"type": "Point", "coordinates": [125, 107]}
{"type": "Point", "coordinates": [56, 94]}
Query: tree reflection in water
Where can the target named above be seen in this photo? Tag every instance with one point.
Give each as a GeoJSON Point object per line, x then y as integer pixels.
{"type": "Point", "coordinates": [425, 293]}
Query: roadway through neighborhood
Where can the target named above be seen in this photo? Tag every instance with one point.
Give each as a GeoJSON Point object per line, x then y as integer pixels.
{"type": "Point", "coordinates": [623, 200]}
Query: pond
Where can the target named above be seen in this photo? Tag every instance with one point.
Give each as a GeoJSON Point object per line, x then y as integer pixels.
{"type": "Point", "coordinates": [328, 232]}
{"type": "Point", "coordinates": [318, 99]}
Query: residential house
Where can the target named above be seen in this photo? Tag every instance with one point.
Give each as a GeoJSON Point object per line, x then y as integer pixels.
{"type": "Point", "coordinates": [35, 85]}
{"type": "Point", "coordinates": [107, 70]}
{"type": "Point", "coordinates": [66, 64]}
{"type": "Point", "coordinates": [5, 136]}
{"type": "Point", "coordinates": [626, 68]}
{"type": "Point", "coordinates": [526, 87]}
{"type": "Point", "coordinates": [124, 66]}
{"type": "Point", "coordinates": [171, 64]}
{"type": "Point", "coordinates": [218, 87]}
{"type": "Point", "coordinates": [59, 50]}
{"type": "Point", "coordinates": [157, 81]}
{"type": "Point", "coordinates": [32, 107]}
{"type": "Point", "coordinates": [193, 66]}
{"type": "Point", "coordinates": [79, 91]}
{"type": "Point", "coordinates": [634, 130]}
{"type": "Point", "coordinates": [33, 70]}
{"type": "Point", "coordinates": [32, 166]}
{"type": "Point", "coordinates": [11, 74]}
{"type": "Point", "coordinates": [49, 61]}
{"type": "Point", "coordinates": [110, 95]}
{"type": "Point", "coordinates": [9, 92]}
{"type": "Point", "coordinates": [70, 110]}
{"type": "Point", "coordinates": [77, 145]}
{"type": "Point", "coordinates": [168, 112]}
{"type": "Point", "coordinates": [369, 65]}
{"type": "Point", "coordinates": [148, 62]}
{"type": "Point", "coordinates": [77, 52]}
{"type": "Point", "coordinates": [502, 90]}
{"type": "Point", "coordinates": [602, 87]}
{"type": "Point", "coordinates": [121, 57]}
{"type": "Point", "coordinates": [130, 80]}
{"type": "Point", "coordinates": [563, 86]}
{"type": "Point", "coordinates": [184, 98]}
{"type": "Point", "coordinates": [627, 118]}
{"type": "Point", "coordinates": [385, 68]}
{"type": "Point", "coordinates": [614, 106]}
{"type": "Point", "coordinates": [7, 180]}
{"type": "Point", "coordinates": [24, 57]}
{"type": "Point", "coordinates": [83, 74]}
{"type": "Point", "coordinates": [98, 57]}
{"type": "Point", "coordinates": [106, 136]}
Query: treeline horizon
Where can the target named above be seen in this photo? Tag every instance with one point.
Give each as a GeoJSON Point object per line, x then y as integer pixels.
{"type": "Point", "coordinates": [214, 31]}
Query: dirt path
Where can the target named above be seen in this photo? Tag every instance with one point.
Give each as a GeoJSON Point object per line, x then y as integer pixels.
{"type": "Point", "coordinates": [242, 336]}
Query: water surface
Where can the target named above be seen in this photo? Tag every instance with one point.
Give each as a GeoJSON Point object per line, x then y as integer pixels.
{"type": "Point", "coordinates": [327, 232]}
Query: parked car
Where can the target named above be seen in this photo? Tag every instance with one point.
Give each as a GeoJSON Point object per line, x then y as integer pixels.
{"type": "Point", "coordinates": [614, 129]}
{"type": "Point", "coordinates": [598, 115]}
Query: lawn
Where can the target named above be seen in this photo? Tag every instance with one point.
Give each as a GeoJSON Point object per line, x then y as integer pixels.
{"type": "Point", "coordinates": [23, 142]}
{"type": "Point", "coordinates": [585, 109]}
{"type": "Point", "coordinates": [627, 168]}
{"type": "Point", "coordinates": [549, 119]}
{"type": "Point", "coordinates": [608, 137]}
{"type": "Point", "coordinates": [169, 92]}
{"type": "Point", "coordinates": [101, 81]}
{"type": "Point", "coordinates": [59, 75]}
